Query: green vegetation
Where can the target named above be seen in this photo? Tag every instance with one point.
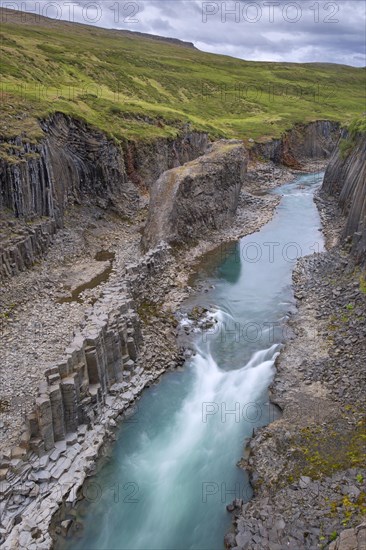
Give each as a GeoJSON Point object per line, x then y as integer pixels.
{"type": "Point", "coordinates": [6, 314]}
{"type": "Point", "coordinates": [136, 87]}
{"type": "Point", "coordinates": [357, 127]}
{"type": "Point", "coordinates": [350, 511]}
{"type": "Point", "coordinates": [149, 311]}
{"type": "Point", "coordinates": [323, 452]}
{"type": "Point", "coordinates": [333, 535]}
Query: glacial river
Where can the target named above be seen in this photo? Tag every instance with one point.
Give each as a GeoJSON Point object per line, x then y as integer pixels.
{"type": "Point", "coordinates": [173, 467]}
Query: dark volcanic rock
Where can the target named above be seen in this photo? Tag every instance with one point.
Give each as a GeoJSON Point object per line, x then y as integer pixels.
{"type": "Point", "coordinates": [345, 178]}
{"type": "Point", "coordinates": [200, 195]}
{"type": "Point", "coordinates": [146, 161]}
{"type": "Point", "coordinates": [307, 468]}
{"type": "Point", "coordinates": [75, 164]}
{"type": "Point", "coordinates": [316, 140]}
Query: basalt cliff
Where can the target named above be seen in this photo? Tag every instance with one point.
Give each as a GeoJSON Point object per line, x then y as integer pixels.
{"type": "Point", "coordinates": [201, 195]}
{"type": "Point", "coordinates": [345, 179]}
{"type": "Point", "coordinates": [74, 164]}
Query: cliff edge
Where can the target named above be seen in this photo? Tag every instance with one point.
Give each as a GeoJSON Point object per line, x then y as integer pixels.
{"type": "Point", "coordinates": [345, 178]}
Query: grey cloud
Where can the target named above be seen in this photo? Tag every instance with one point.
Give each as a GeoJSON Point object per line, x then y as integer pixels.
{"type": "Point", "coordinates": [160, 25]}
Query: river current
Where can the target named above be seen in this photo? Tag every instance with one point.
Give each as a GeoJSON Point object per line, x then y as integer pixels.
{"type": "Point", "coordinates": [173, 467]}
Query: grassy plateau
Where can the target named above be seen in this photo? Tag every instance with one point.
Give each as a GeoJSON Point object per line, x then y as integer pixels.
{"type": "Point", "coordinates": [135, 87]}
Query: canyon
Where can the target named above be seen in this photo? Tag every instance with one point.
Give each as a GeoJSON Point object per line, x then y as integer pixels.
{"type": "Point", "coordinates": [156, 207]}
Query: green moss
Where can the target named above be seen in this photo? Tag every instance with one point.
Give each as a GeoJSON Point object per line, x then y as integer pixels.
{"type": "Point", "coordinates": [346, 147]}
{"type": "Point", "coordinates": [150, 311]}
{"type": "Point", "coordinates": [352, 509]}
{"type": "Point", "coordinates": [7, 312]}
{"type": "Point", "coordinates": [358, 126]}
{"type": "Point", "coordinates": [321, 452]}
{"type": "Point", "coordinates": [196, 313]}
{"type": "Point", "coordinates": [4, 405]}
{"type": "Point", "coordinates": [349, 511]}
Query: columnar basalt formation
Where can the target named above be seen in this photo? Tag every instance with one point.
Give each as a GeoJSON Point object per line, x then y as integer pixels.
{"type": "Point", "coordinates": [100, 374]}
{"type": "Point", "coordinates": [146, 161]}
{"type": "Point", "coordinates": [82, 395]}
{"type": "Point", "coordinates": [315, 140]}
{"type": "Point", "coordinates": [26, 243]}
{"type": "Point", "coordinates": [101, 355]}
{"type": "Point", "coordinates": [201, 195]}
{"type": "Point", "coordinates": [345, 178]}
{"type": "Point", "coordinates": [74, 164]}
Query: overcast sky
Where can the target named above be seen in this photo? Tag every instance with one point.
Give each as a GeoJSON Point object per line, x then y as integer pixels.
{"type": "Point", "coordinates": [278, 30]}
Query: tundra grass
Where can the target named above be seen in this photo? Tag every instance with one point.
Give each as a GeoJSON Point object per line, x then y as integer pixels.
{"type": "Point", "coordinates": [134, 87]}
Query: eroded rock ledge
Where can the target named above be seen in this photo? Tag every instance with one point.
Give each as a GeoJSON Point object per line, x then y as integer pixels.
{"type": "Point", "coordinates": [202, 195]}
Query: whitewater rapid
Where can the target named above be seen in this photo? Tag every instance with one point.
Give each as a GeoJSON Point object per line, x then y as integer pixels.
{"type": "Point", "coordinates": [173, 468]}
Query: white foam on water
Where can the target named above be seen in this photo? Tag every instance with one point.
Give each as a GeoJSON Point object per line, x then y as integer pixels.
{"type": "Point", "coordinates": [198, 433]}
{"type": "Point", "coordinates": [203, 437]}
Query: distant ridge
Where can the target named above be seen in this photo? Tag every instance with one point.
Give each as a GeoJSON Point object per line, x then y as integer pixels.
{"type": "Point", "coordinates": [157, 37]}
{"type": "Point", "coordinates": [18, 16]}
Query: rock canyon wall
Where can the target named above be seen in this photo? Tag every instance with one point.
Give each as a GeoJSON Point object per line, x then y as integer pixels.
{"type": "Point", "coordinates": [345, 178]}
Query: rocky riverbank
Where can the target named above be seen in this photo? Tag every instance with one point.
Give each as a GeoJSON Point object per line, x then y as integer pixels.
{"type": "Point", "coordinates": [37, 324]}
{"type": "Point", "coordinates": [82, 330]}
{"type": "Point", "coordinates": [40, 324]}
{"type": "Point", "coordinates": [307, 468]}
{"type": "Point", "coordinates": [170, 286]}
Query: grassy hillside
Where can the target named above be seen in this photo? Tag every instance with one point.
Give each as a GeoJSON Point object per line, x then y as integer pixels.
{"type": "Point", "coordinates": [137, 87]}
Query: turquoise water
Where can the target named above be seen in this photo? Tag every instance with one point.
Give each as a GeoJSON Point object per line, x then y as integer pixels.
{"type": "Point", "coordinates": [173, 467]}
